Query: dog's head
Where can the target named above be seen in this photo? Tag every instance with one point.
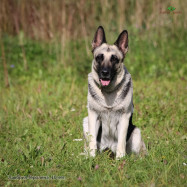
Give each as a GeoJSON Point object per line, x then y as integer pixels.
{"type": "Point", "coordinates": [108, 59]}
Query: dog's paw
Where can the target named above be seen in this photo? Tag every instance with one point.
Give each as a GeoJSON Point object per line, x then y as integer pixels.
{"type": "Point", "coordinates": [120, 155]}
{"type": "Point", "coordinates": [92, 152]}
{"type": "Point", "coordinates": [92, 148]}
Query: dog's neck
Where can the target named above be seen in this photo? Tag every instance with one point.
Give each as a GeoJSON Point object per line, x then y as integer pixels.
{"type": "Point", "coordinates": [115, 83]}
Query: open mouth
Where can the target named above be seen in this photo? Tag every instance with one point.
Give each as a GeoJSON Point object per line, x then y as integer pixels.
{"type": "Point", "coordinates": [105, 82]}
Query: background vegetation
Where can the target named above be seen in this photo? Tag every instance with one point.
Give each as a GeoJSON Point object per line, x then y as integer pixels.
{"type": "Point", "coordinates": [45, 57]}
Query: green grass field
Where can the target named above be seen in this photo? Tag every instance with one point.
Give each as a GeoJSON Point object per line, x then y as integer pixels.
{"type": "Point", "coordinates": [41, 116]}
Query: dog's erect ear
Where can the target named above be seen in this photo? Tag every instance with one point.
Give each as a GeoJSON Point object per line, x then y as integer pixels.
{"type": "Point", "coordinates": [122, 42]}
{"type": "Point", "coordinates": [99, 38]}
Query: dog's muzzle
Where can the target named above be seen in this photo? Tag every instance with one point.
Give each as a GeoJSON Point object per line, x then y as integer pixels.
{"type": "Point", "coordinates": [105, 77]}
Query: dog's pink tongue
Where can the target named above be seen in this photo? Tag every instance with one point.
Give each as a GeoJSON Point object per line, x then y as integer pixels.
{"type": "Point", "coordinates": [105, 83]}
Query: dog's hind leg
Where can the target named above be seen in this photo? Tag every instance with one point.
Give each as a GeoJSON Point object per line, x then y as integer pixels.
{"type": "Point", "coordinates": [86, 134]}
{"type": "Point", "coordinates": [135, 143]}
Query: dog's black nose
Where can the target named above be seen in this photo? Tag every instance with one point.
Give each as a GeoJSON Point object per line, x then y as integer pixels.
{"type": "Point", "coordinates": [105, 72]}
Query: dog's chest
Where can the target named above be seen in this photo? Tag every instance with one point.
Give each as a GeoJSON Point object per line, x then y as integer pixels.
{"type": "Point", "coordinates": [109, 120]}
{"type": "Point", "coordinates": [110, 99]}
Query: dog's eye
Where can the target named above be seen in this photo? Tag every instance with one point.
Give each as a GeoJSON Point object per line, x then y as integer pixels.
{"type": "Point", "coordinates": [99, 58]}
{"type": "Point", "coordinates": [114, 59]}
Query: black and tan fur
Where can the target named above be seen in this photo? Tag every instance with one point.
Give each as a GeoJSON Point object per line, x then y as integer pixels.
{"type": "Point", "coordinates": [110, 100]}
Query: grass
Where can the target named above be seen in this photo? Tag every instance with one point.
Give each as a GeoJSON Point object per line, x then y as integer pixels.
{"type": "Point", "coordinates": [41, 114]}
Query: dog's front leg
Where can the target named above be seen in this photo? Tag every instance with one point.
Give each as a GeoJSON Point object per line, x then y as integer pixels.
{"type": "Point", "coordinates": [92, 118]}
{"type": "Point", "coordinates": [122, 134]}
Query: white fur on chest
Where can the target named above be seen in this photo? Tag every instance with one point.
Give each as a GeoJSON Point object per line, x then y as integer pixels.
{"type": "Point", "coordinates": [110, 102]}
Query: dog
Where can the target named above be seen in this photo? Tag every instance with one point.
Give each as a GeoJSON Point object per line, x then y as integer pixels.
{"type": "Point", "coordinates": [110, 100]}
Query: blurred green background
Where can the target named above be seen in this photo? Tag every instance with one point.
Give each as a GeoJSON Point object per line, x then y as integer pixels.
{"type": "Point", "coordinates": [38, 35]}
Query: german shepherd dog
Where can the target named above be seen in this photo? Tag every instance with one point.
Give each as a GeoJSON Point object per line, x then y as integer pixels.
{"type": "Point", "coordinates": [110, 100]}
